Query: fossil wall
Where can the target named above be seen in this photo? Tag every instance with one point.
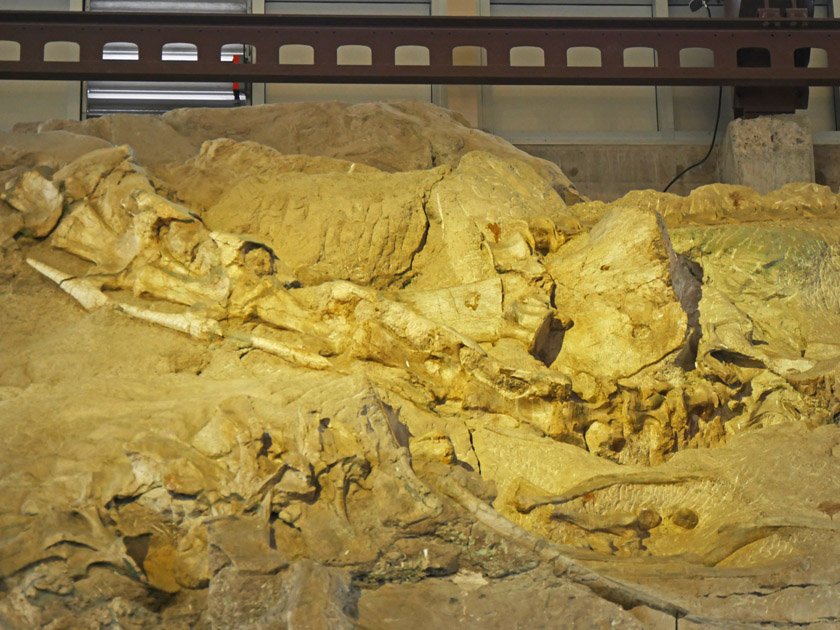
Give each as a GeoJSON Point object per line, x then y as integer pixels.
{"type": "Point", "coordinates": [361, 366]}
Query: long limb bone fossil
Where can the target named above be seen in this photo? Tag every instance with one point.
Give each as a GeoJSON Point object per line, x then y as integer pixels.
{"type": "Point", "coordinates": [532, 498]}
{"type": "Point", "coordinates": [568, 560]}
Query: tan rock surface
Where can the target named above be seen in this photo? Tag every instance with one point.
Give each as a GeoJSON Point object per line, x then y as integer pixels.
{"type": "Point", "coordinates": [399, 136]}
{"type": "Point", "coordinates": [532, 600]}
{"type": "Point", "coordinates": [37, 199]}
{"type": "Point", "coordinates": [614, 285]}
{"type": "Point", "coordinates": [48, 149]}
{"type": "Point", "coordinates": [11, 222]}
{"type": "Point", "coordinates": [150, 136]}
{"type": "Point", "coordinates": [725, 203]}
{"type": "Point", "coordinates": [784, 277]}
{"type": "Point", "coordinates": [222, 164]}
{"type": "Point", "coordinates": [368, 227]}
{"type": "Point", "coordinates": [258, 390]}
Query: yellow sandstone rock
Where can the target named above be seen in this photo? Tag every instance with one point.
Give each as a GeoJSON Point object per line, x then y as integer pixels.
{"type": "Point", "coordinates": [313, 361]}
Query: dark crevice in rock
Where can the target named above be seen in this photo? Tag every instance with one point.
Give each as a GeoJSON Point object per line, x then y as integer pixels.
{"type": "Point", "coordinates": [137, 548]}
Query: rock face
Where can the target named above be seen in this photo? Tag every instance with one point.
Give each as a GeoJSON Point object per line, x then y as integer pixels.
{"type": "Point", "coordinates": [767, 152]}
{"type": "Point", "coordinates": [721, 204]}
{"type": "Point", "coordinates": [48, 150]}
{"type": "Point", "coordinates": [38, 201]}
{"type": "Point", "coordinates": [614, 286]}
{"type": "Point", "coordinates": [783, 277]}
{"type": "Point", "coordinates": [370, 237]}
{"type": "Point", "coordinates": [388, 136]}
{"type": "Point", "coordinates": [350, 389]}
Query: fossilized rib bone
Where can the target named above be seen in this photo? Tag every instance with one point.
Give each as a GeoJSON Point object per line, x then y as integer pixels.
{"type": "Point", "coordinates": [292, 355]}
{"type": "Point", "coordinates": [190, 323]}
{"type": "Point", "coordinates": [87, 292]}
{"type": "Point", "coordinates": [611, 589]}
{"type": "Point", "coordinates": [532, 498]}
{"type": "Point", "coordinates": [614, 523]}
{"type": "Point", "coordinates": [614, 589]}
{"type": "Point", "coordinates": [84, 290]}
{"type": "Point", "coordinates": [734, 536]}
{"type": "Point", "coordinates": [390, 431]}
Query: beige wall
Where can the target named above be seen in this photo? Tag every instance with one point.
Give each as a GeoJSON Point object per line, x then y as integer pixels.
{"type": "Point", "coordinates": [362, 93]}
{"type": "Point", "coordinates": [630, 114]}
{"type": "Point", "coordinates": [525, 113]}
{"type": "Point", "coordinates": [33, 101]}
{"type": "Point", "coordinates": [609, 171]}
{"type": "Point", "coordinates": [513, 110]}
{"type": "Point", "coordinates": [30, 101]}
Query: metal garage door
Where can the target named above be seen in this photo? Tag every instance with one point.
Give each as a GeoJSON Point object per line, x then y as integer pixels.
{"type": "Point", "coordinates": [131, 97]}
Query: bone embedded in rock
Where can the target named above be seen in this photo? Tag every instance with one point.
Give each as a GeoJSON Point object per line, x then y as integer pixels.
{"type": "Point", "coordinates": [37, 199]}
{"type": "Point", "coordinates": [651, 397]}
{"type": "Point", "coordinates": [614, 283]}
{"type": "Point", "coordinates": [81, 176]}
{"type": "Point", "coordinates": [474, 309]}
{"type": "Point", "coordinates": [293, 355]}
{"type": "Point", "coordinates": [86, 291]}
{"type": "Point", "coordinates": [529, 500]}
{"type": "Point", "coordinates": [186, 322]}
{"type": "Point", "coordinates": [83, 232]}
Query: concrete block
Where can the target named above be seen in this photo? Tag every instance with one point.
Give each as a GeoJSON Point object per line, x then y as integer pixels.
{"type": "Point", "coordinates": [767, 152]}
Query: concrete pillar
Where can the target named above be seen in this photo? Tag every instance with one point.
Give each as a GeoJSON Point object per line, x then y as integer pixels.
{"type": "Point", "coordinates": [258, 89]}
{"type": "Point", "coordinates": [74, 88]}
{"type": "Point", "coordinates": [834, 12]}
{"type": "Point", "coordinates": [664, 93]}
{"type": "Point", "coordinates": [464, 99]}
{"type": "Point", "coordinates": [767, 152]}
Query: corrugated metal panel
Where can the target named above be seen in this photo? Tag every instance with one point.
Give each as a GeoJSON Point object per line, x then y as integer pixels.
{"type": "Point", "coordinates": [347, 7]}
{"type": "Point", "coordinates": [126, 97]}
{"type": "Point", "coordinates": [170, 6]}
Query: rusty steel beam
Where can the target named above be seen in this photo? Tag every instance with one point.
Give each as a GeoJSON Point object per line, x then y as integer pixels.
{"type": "Point", "coordinates": [440, 35]}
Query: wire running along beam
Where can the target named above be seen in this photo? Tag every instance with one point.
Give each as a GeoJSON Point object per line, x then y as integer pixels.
{"type": "Point", "coordinates": [781, 38]}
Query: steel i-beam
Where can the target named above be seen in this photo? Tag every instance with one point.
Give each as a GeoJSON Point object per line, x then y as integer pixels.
{"type": "Point", "coordinates": [781, 38]}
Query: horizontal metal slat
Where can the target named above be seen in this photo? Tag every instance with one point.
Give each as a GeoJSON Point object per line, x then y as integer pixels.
{"type": "Point", "coordinates": [170, 6]}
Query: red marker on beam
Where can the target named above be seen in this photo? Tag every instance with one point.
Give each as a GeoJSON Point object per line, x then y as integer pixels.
{"type": "Point", "coordinates": [236, 85]}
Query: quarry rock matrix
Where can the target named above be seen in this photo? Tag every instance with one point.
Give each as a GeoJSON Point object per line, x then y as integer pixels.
{"type": "Point", "coordinates": [362, 366]}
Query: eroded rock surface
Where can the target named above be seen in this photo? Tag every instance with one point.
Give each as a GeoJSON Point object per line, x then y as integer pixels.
{"type": "Point", "coordinates": [399, 136]}
{"type": "Point", "coordinates": [614, 285]}
{"type": "Point", "coordinates": [377, 388]}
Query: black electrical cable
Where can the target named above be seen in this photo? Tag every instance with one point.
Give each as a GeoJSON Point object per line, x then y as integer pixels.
{"type": "Point", "coordinates": [714, 134]}
{"type": "Point", "coordinates": [711, 146]}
